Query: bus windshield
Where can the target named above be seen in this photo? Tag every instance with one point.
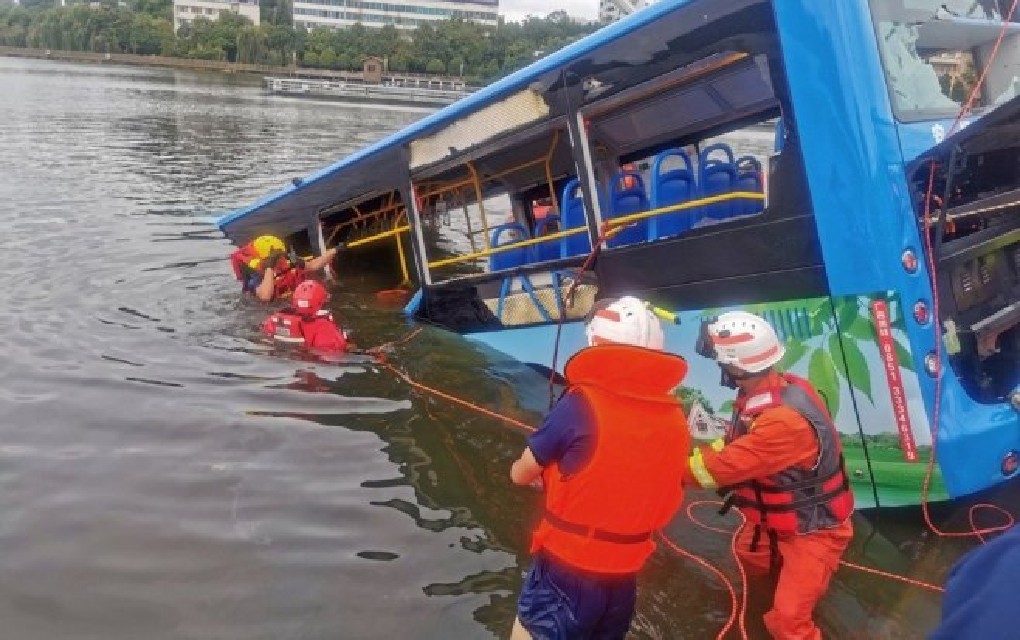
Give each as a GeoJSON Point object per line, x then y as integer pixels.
{"type": "Point", "coordinates": [933, 51]}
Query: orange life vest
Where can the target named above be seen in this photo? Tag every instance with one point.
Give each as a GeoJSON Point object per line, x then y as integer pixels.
{"type": "Point", "coordinates": [602, 517]}
{"type": "Point", "coordinates": [241, 260]}
{"type": "Point", "coordinates": [795, 500]}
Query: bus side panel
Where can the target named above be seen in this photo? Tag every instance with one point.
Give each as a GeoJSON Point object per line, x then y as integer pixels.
{"type": "Point", "coordinates": [853, 349]}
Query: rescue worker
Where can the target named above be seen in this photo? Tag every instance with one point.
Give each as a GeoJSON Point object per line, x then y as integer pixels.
{"type": "Point", "coordinates": [306, 322]}
{"type": "Point", "coordinates": [980, 591]}
{"type": "Point", "coordinates": [616, 433]}
{"type": "Point", "coordinates": [781, 463]}
{"type": "Point", "coordinates": [266, 269]}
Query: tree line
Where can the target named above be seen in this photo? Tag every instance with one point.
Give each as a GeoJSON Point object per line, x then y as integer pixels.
{"type": "Point", "coordinates": [453, 47]}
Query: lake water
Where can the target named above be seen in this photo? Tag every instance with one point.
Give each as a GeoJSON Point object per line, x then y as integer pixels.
{"type": "Point", "coordinates": [164, 473]}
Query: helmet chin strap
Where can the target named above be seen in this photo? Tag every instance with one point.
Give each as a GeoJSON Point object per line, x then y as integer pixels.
{"type": "Point", "coordinates": [730, 380]}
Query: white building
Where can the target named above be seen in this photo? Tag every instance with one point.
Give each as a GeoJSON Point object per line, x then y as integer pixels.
{"type": "Point", "coordinates": [187, 10]}
{"type": "Point", "coordinates": [704, 425]}
{"type": "Point", "coordinates": [403, 14]}
{"type": "Point", "coordinates": [613, 10]}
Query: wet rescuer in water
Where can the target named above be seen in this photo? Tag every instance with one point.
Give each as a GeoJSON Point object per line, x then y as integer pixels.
{"type": "Point", "coordinates": [782, 464]}
{"type": "Point", "coordinates": [610, 456]}
{"type": "Point", "coordinates": [268, 271]}
{"type": "Point", "coordinates": [306, 322]}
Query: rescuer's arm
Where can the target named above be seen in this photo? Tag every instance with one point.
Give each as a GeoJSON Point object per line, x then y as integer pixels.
{"type": "Point", "coordinates": [264, 291]}
{"type": "Point", "coordinates": [565, 438]}
{"type": "Point", "coordinates": [319, 263]}
{"type": "Point", "coordinates": [779, 438]}
{"type": "Point", "coordinates": [526, 469]}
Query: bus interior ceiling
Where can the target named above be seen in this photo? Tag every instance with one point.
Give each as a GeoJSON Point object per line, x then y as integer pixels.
{"type": "Point", "coordinates": [710, 81]}
{"type": "Point", "coordinates": [371, 228]}
{"type": "Point", "coordinates": [976, 241]}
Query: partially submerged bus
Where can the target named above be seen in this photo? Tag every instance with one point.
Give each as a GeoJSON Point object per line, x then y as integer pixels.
{"type": "Point", "coordinates": [794, 158]}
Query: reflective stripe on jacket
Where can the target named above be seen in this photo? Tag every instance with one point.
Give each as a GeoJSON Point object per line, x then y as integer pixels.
{"type": "Point", "coordinates": [602, 517]}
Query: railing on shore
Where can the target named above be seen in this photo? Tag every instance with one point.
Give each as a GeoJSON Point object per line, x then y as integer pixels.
{"type": "Point", "coordinates": [400, 79]}
{"type": "Point", "coordinates": [358, 90]}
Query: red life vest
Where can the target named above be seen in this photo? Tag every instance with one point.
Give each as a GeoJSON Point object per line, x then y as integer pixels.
{"type": "Point", "coordinates": [247, 264]}
{"type": "Point", "coordinates": [288, 280]}
{"type": "Point", "coordinates": [795, 500]}
{"type": "Point", "coordinates": [317, 332]}
{"type": "Point", "coordinates": [592, 518]}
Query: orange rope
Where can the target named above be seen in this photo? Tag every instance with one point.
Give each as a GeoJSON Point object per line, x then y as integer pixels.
{"type": "Point", "coordinates": [937, 324]}
{"type": "Point", "coordinates": [736, 610]}
{"type": "Point", "coordinates": [677, 549]}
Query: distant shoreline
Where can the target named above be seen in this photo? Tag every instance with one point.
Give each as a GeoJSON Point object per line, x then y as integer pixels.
{"type": "Point", "coordinates": [131, 59]}
{"type": "Point", "coordinates": [147, 61]}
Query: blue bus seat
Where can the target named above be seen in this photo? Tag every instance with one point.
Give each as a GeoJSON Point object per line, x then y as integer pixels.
{"type": "Point", "coordinates": [550, 250]}
{"type": "Point", "coordinates": [717, 176]}
{"type": "Point", "coordinates": [780, 139]}
{"type": "Point", "coordinates": [624, 200]}
{"type": "Point", "coordinates": [572, 216]}
{"type": "Point", "coordinates": [505, 234]}
{"type": "Point", "coordinates": [670, 187]}
{"type": "Point", "coordinates": [749, 179]}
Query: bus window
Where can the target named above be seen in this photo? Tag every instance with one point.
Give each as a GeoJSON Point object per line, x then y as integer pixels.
{"type": "Point", "coordinates": [932, 51]}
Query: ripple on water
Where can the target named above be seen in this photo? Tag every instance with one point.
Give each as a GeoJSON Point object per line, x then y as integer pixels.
{"type": "Point", "coordinates": [164, 473]}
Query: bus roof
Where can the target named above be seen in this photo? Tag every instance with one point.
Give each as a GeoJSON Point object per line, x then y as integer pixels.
{"type": "Point", "coordinates": [306, 196]}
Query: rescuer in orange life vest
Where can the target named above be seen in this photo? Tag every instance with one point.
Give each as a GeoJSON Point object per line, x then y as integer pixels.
{"type": "Point", "coordinates": [617, 432]}
{"type": "Point", "coordinates": [782, 464]}
{"type": "Point", "coordinates": [266, 269]}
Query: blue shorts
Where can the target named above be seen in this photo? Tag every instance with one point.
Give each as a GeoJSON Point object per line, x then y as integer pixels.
{"type": "Point", "coordinates": [559, 602]}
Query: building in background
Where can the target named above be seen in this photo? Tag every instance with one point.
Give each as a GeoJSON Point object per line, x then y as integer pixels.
{"type": "Point", "coordinates": [187, 10]}
{"type": "Point", "coordinates": [613, 10]}
{"type": "Point", "coordinates": [403, 14]}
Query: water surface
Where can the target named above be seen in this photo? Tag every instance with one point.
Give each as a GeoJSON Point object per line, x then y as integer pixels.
{"type": "Point", "coordinates": [164, 473]}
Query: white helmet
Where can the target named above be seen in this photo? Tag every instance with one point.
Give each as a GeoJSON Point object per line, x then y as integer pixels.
{"type": "Point", "coordinates": [624, 321]}
{"type": "Point", "coordinates": [740, 339]}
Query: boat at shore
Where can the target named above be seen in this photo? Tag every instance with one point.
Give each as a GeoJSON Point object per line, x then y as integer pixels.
{"type": "Point", "coordinates": [350, 91]}
{"type": "Point", "coordinates": [900, 308]}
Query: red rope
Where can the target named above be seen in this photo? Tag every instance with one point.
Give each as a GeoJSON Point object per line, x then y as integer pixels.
{"type": "Point", "coordinates": [937, 324]}
{"type": "Point", "coordinates": [737, 610]}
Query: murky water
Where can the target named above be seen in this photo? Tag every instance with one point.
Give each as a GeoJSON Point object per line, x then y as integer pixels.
{"type": "Point", "coordinates": [165, 474]}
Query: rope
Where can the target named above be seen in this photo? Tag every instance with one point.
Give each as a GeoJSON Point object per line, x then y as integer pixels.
{"type": "Point", "coordinates": [937, 323]}
{"type": "Point", "coordinates": [737, 610]}
{"type": "Point", "coordinates": [568, 300]}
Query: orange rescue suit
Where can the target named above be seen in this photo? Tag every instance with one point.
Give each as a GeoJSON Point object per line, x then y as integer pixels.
{"type": "Point", "coordinates": [602, 517]}
{"type": "Point", "coordinates": [778, 439]}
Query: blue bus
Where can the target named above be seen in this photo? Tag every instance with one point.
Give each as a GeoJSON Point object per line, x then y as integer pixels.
{"type": "Point", "coordinates": [794, 158]}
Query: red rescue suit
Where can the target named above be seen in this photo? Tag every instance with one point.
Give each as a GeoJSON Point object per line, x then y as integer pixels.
{"type": "Point", "coordinates": [783, 460]}
{"type": "Point", "coordinates": [318, 332]}
{"type": "Point", "coordinates": [602, 518]}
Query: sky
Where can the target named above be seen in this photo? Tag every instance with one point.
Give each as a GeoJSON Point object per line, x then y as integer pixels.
{"type": "Point", "coordinates": [518, 9]}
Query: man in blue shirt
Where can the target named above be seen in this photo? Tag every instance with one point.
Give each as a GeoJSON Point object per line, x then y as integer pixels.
{"type": "Point", "coordinates": [981, 593]}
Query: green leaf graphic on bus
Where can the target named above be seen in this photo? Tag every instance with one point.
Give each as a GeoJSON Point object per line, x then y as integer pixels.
{"type": "Point", "coordinates": [830, 338]}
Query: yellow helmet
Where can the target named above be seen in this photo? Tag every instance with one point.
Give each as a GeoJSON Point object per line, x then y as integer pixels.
{"type": "Point", "coordinates": [264, 245]}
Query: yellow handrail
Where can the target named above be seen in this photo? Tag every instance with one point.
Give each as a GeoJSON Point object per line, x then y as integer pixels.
{"type": "Point", "coordinates": [612, 223]}
{"type": "Point", "coordinates": [507, 247]}
{"type": "Point", "coordinates": [379, 236]}
{"type": "Point", "coordinates": [722, 197]}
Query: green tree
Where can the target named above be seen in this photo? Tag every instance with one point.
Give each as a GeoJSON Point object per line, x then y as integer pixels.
{"type": "Point", "coordinates": [689, 395]}
{"type": "Point", "coordinates": [327, 58]}
{"type": "Point", "coordinates": [435, 65]}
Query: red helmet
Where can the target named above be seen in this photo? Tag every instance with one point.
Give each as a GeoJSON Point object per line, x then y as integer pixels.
{"type": "Point", "coordinates": [309, 297]}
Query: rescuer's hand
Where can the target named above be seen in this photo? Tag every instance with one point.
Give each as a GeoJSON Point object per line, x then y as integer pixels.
{"type": "Point", "coordinates": [537, 484]}
{"type": "Point", "coordinates": [270, 261]}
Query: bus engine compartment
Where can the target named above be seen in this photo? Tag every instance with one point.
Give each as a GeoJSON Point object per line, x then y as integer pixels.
{"type": "Point", "coordinates": [972, 227]}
